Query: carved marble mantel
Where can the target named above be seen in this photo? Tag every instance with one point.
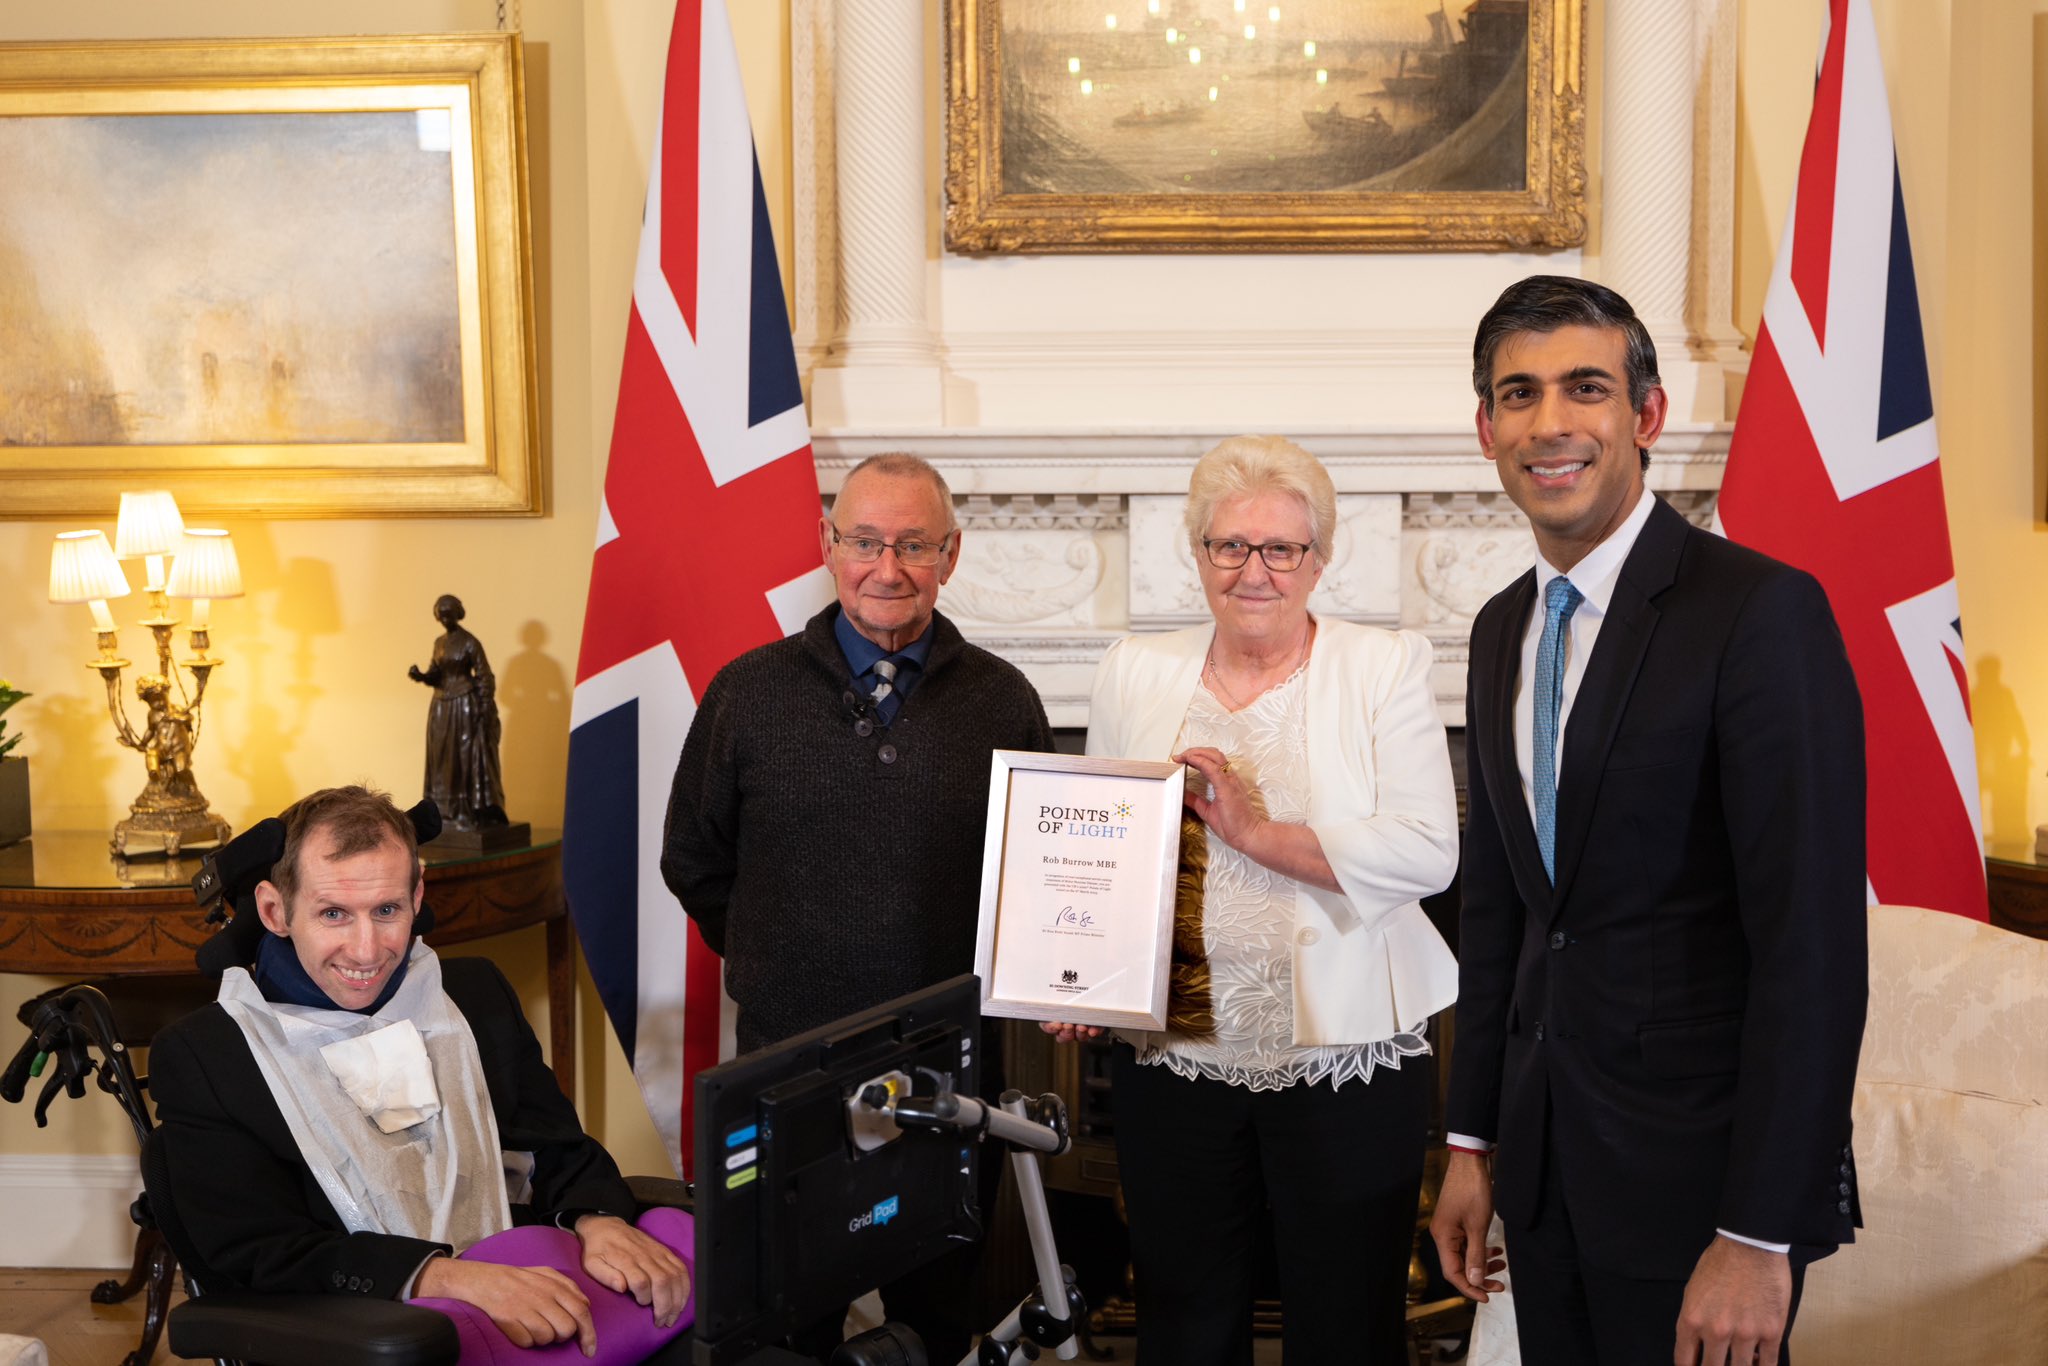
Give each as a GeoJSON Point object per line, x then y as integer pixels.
{"type": "Point", "coordinates": [1066, 398]}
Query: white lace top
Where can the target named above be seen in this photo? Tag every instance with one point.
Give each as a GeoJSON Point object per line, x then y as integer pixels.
{"type": "Point", "coordinates": [1231, 1013]}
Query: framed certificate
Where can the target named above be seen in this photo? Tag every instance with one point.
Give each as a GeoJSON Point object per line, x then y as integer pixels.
{"type": "Point", "coordinates": [1077, 882]}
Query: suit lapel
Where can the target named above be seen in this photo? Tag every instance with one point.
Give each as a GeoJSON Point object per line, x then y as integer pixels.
{"type": "Point", "coordinates": [1497, 740]}
{"type": "Point", "coordinates": [1610, 677]}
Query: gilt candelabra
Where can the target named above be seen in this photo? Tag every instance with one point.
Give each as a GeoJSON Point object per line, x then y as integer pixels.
{"type": "Point", "coordinates": [171, 815]}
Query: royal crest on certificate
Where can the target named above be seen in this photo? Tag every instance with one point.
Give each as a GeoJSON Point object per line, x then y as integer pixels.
{"type": "Point", "coordinates": [1077, 889]}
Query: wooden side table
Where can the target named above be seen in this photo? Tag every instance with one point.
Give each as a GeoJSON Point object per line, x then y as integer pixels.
{"type": "Point", "coordinates": [2018, 883]}
{"type": "Point", "coordinates": [69, 909]}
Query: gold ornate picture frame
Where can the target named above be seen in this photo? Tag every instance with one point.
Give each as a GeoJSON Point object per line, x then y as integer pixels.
{"type": "Point", "coordinates": [1243, 125]}
{"type": "Point", "coordinates": [287, 277]}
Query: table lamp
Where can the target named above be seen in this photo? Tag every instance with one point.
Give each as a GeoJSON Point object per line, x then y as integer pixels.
{"type": "Point", "coordinates": [171, 815]}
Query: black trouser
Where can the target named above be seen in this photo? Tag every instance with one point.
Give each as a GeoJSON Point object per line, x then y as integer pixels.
{"type": "Point", "coordinates": [1340, 1169]}
{"type": "Point", "coordinates": [1569, 1312]}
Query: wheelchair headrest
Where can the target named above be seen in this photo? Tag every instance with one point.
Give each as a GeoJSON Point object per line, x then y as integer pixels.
{"type": "Point", "coordinates": [226, 885]}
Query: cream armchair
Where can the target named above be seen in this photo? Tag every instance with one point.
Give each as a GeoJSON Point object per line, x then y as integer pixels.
{"type": "Point", "coordinates": [1951, 1159]}
{"type": "Point", "coordinates": [1951, 1155]}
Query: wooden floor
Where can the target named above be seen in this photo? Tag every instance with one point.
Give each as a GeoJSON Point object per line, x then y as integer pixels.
{"type": "Point", "coordinates": [54, 1306]}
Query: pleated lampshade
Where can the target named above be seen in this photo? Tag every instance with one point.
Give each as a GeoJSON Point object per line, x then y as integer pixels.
{"type": "Point", "coordinates": [150, 525]}
{"type": "Point", "coordinates": [206, 566]}
{"type": "Point", "coordinates": [83, 568]}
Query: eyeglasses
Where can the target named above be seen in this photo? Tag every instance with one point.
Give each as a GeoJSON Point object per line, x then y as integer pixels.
{"type": "Point", "coordinates": [916, 554]}
{"type": "Point", "coordinates": [1278, 555]}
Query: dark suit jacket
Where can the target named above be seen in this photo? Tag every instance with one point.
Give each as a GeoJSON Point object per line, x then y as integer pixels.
{"type": "Point", "coordinates": [256, 1215]}
{"type": "Point", "coordinates": [1679, 1017]}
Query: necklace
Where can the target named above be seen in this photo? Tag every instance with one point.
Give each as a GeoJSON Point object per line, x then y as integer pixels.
{"type": "Point", "coordinates": [1216, 675]}
{"type": "Point", "coordinates": [1221, 686]}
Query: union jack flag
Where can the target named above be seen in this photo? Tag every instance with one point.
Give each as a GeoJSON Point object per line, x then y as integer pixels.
{"type": "Point", "coordinates": [1834, 468]}
{"type": "Point", "coordinates": [706, 547]}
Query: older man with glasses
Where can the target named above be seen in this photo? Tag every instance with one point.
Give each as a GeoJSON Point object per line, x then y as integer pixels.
{"type": "Point", "coordinates": [825, 826]}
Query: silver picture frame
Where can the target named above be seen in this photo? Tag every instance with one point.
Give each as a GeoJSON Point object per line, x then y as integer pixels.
{"type": "Point", "coordinates": [1078, 873]}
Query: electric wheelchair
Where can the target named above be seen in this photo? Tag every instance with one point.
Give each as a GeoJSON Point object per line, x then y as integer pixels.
{"type": "Point", "coordinates": [86, 1032]}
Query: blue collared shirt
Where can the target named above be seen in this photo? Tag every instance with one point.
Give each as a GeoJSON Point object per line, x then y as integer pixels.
{"type": "Point", "coordinates": [862, 654]}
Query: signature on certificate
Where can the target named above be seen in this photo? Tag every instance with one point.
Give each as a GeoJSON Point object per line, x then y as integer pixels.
{"type": "Point", "coordinates": [1074, 919]}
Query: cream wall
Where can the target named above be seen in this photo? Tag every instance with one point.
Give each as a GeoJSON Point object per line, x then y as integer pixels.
{"type": "Point", "coordinates": [315, 692]}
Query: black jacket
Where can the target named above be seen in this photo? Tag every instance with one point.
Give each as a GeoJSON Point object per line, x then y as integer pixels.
{"type": "Point", "coordinates": [252, 1208]}
{"type": "Point", "coordinates": [1680, 1016]}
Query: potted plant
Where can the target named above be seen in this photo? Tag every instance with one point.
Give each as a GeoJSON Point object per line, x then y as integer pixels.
{"type": "Point", "coordinates": [13, 774]}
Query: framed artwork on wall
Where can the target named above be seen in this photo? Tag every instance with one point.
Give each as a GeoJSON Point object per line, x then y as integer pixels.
{"type": "Point", "coordinates": [1261, 125]}
{"type": "Point", "coordinates": [289, 277]}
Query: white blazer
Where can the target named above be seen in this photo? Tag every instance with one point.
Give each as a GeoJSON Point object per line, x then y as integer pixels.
{"type": "Point", "coordinates": [1367, 962]}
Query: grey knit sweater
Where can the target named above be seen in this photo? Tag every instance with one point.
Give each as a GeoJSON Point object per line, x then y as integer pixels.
{"type": "Point", "coordinates": [835, 870]}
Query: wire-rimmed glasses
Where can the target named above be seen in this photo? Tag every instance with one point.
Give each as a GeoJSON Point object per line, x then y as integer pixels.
{"type": "Point", "coordinates": [915, 553]}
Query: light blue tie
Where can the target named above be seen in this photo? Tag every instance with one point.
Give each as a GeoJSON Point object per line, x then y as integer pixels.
{"type": "Point", "coordinates": [1560, 600]}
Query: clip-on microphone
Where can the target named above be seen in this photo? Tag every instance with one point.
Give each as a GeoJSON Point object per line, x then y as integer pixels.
{"type": "Point", "coordinates": [859, 709]}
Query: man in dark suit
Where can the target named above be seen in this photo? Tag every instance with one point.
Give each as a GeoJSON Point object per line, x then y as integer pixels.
{"type": "Point", "coordinates": [340, 907]}
{"type": "Point", "coordinates": [1662, 947]}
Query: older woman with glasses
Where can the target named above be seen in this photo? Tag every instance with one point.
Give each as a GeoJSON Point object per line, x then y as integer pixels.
{"type": "Point", "coordinates": [1292, 1074]}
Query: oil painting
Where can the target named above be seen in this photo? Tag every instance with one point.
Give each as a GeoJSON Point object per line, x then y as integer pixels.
{"type": "Point", "coordinates": [1128, 124]}
{"type": "Point", "coordinates": [289, 277]}
{"type": "Point", "coordinates": [201, 279]}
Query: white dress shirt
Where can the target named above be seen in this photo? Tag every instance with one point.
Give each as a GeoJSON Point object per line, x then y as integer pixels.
{"type": "Point", "coordinates": [1594, 577]}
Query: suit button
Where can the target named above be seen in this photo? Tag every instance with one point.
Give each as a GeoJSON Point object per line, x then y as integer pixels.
{"type": "Point", "coordinates": [1843, 1189]}
{"type": "Point", "coordinates": [355, 1283]}
{"type": "Point", "coordinates": [863, 728]}
{"type": "Point", "coordinates": [368, 1285]}
{"type": "Point", "coordinates": [1557, 940]}
{"type": "Point", "coordinates": [1842, 1208]}
{"type": "Point", "coordinates": [339, 1280]}
{"type": "Point", "coordinates": [887, 754]}
{"type": "Point", "coordinates": [1307, 937]}
{"type": "Point", "coordinates": [1845, 1169]}
{"type": "Point", "coordinates": [1539, 1031]}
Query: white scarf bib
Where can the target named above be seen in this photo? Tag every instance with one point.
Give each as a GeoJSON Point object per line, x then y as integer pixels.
{"type": "Point", "coordinates": [340, 1078]}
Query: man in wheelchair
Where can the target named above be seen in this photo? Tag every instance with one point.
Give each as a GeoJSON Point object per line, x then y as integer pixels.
{"type": "Point", "coordinates": [355, 1116]}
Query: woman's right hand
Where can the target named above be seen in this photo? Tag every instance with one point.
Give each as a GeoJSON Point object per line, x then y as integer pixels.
{"type": "Point", "coordinates": [1070, 1033]}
